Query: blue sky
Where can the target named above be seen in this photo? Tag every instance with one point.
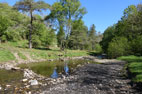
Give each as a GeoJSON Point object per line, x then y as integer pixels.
{"type": "Point", "coordinates": [102, 13]}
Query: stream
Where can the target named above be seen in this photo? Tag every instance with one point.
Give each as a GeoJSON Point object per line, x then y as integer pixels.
{"type": "Point", "coordinates": [81, 76]}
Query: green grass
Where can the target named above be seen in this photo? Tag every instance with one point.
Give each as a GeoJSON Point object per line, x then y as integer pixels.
{"type": "Point", "coordinates": [22, 56]}
{"type": "Point", "coordinates": [6, 55]}
{"type": "Point", "coordinates": [130, 58]}
{"type": "Point", "coordinates": [134, 67]}
{"type": "Point", "coordinates": [20, 47]}
{"type": "Point", "coordinates": [138, 78]}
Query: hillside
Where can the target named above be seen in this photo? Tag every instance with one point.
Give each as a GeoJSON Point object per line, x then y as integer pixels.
{"type": "Point", "coordinates": [17, 52]}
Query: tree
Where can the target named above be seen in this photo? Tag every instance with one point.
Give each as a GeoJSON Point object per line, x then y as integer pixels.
{"type": "Point", "coordinates": [15, 23]}
{"type": "Point", "coordinates": [4, 23]}
{"type": "Point", "coordinates": [73, 11]}
{"type": "Point", "coordinates": [61, 38]}
{"type": "Point", "coordinates": [92, 37]}
{"type": "Point", "coordinates": [78, 38]}
{"type": "Point", "coordinates": [30, 6]}
{"type": "Point", "coordinates": [42, 35]}
{"type": "Point", "coordinates": [107, 37]}
{"type": "Point", "coordinates": [65, 12]}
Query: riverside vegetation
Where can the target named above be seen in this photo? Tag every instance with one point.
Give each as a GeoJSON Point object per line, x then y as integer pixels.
{"type": "Point", "coordinates": [26, 36]}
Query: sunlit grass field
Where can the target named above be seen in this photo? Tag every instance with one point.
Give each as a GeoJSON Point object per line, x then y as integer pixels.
{"type": "Point", "coordinates": [21, 48]}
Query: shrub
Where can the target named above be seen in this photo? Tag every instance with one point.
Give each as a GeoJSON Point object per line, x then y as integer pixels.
{"type": "Point", "coordinates": [136, 46]}
{"type": "Point", "coordinates": [36, 41]}
{"type": "Point", "coordinates": [98, 48]}
{"type": "Point", "coordinates": [119, 46]}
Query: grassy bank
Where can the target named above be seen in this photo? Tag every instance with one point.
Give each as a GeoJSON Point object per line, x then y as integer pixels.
{"type": "Point", "coordinates": [8, 49]}
{"type": "Point", "coordinates": [134, 67]}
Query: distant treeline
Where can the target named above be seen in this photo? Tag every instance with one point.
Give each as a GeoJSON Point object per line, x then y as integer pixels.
{"type": "Point", "coordinates": [125, 37]}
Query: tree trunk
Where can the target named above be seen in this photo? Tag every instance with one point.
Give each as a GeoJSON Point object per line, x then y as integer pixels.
{"type": "Point", "coordinates": [30, 31]}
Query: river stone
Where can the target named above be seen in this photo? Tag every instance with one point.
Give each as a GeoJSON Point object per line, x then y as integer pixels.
{"type": "Point", "coordinates": [33, 82]}
{"type": "Point", "coordinates": [24, 80]}
{"type": "Point", "coordinates": [29, 73]}
{"type": "Point", "coordinates": [0, 88]}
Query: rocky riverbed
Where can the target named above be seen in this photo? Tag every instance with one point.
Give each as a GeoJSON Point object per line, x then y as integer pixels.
{"type": "Point", "coordinates": [104, 78]}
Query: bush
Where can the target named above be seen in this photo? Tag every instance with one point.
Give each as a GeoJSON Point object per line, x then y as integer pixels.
{"type": "Point", "coordinates": [136, 46]}
{"type": "Point", "coordinates": [118, 47]}
{"type": "Point", "coordinates": [36, 41]}
{"type": "Point", "coordinates": [98, 48]}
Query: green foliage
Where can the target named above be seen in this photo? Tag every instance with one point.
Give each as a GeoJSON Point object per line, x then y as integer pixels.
{"type": "Point", "coordinates": [13, 25]}
{"type": "Point", "coordinates": [129, 27]}
{"type": "Point", "coordinates": [64, 13]}
{"type": "Point", "coordinates": [61, 38]}
{"type": "Point", "coordinates": [92, 37]}
{"type": "Point", "coordinates": [107, 37]}
{"type": "Point", "coordinates": [4, 23]}
{"type": "Point", "coordinates": [118, 47]}
{"type": "Point", "coordinates": [30, 6]}
{"type": "Point", "coordinates": [50, 37]}
{"type": "Point", "coordinates": [98, 48]}
{"type": "Point", "coordinates": [78, 36]}
{"type": "Point", "coordinates": [136, 46]}
{"type": "Point", "coordinates": [42, 36]}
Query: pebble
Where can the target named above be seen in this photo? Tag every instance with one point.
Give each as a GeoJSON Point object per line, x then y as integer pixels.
{"type": "Point", "coordinates": [24, 80]}
{"type": "Point", "coordinates": [8, 85]}
{"type": "Point", "coordinates": [33, 82]}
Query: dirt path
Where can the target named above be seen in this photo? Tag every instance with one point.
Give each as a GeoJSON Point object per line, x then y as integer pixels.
{"type": "Point", "coordinates": [94, 79]}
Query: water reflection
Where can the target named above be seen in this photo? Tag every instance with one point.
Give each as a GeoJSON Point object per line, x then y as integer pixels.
{"type": "Point", "coordinates": [56, 70]}
{"type": "Point", "coordinates": [55, 74]}
{"type": "Point", "coordinates": [66, 69]}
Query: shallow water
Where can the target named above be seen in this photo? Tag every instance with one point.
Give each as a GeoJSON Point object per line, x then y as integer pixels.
{"type": "Point", "coordinates": [9, 78]}
{"type": "Point", "coordinates": [62, 67]}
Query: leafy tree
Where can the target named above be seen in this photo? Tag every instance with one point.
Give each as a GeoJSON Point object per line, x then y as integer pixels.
{"type": "Point", "coordinates": [15, 22]}
{"type": "Point", "coordinates": [107, 37]}
{"type": "Point", "coordinates": [78, 38]}
{"type": "Point", "coordinates": [30, 6]}
{"type": "Point", "coordinates": [61, 38]}
{"type": "Point", "coordinates": [129, 27]}
{"type": "Point", "coordinates": [4, 23]}
{"type": "Point", "coordinates": [92, 37]}
{"type": "Point", "coordinates": [73, 11]}
{"type": "Point", "coordinates": [42, 36]}
{"type": "Point", "coordinates": [65, 12]}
